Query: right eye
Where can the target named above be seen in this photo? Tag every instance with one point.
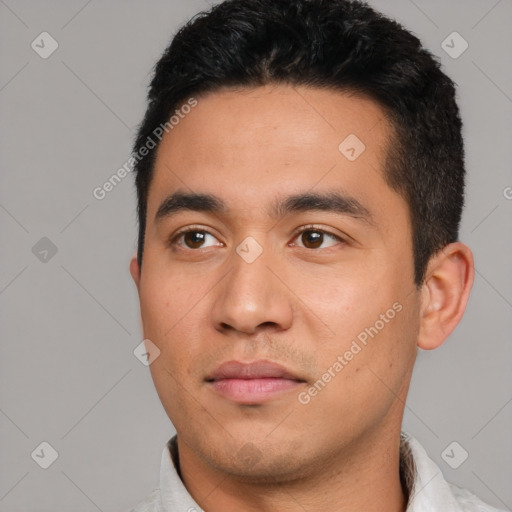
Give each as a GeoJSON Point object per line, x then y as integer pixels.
{"type": "Point", "coordinates": [191, 238]}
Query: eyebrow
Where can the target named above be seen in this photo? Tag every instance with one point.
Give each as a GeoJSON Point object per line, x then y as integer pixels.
{"type": "Point", "coordinates": [333, 202]}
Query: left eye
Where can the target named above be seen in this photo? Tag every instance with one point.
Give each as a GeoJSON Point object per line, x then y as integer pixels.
{"type": "Point", "coordinates": [313, 238]}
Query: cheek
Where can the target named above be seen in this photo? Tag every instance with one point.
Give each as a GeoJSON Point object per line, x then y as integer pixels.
{"type": "Point", "coordinates": [167, 298]}
{"type": "Point", "coordinates": [344, 300]}
{"type": "Point", "coordinates": [363, 377]}
{"type": "Point", "coordinates": [170, 312]}
{"type": "Point", "coordinates": [170, 320]}
{"type": "Point", "coordinates": [371, 325]}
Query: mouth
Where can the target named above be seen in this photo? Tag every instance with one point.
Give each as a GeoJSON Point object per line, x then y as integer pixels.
{"type": "Point", "coordinates": [252, 383]}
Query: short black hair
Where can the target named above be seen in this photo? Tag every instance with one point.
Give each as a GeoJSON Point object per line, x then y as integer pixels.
{"type": "Point", "coordinates": [340, 45]}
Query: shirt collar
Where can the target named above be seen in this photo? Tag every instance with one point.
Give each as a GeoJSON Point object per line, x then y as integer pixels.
{"type": "Point", "coordinates": [428, 490]}
{"type": "Point", "coordinates": [174, 495]}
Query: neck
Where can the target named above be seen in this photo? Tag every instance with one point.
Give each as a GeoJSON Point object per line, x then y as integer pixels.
{"type": "Point", "coordinates": [364, 476]}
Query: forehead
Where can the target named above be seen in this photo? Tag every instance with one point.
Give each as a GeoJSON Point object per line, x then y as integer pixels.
{"type": "Point", "coordinates": [285, 118]}
{"type": "Point", "coordinates": [251, 144]}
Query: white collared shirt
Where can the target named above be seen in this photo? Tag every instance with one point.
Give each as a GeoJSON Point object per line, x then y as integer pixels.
{"type": "Point", "coordinates": [430, 491]}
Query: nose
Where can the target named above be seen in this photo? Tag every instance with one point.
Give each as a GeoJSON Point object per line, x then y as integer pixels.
{"type": "Point", "coordinates": [253, 297]}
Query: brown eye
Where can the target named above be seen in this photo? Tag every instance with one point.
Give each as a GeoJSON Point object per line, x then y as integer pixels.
{"type": "Point", "coordinates": [194, 239]}
{"type": "Point", "coordinates": [314, 238]}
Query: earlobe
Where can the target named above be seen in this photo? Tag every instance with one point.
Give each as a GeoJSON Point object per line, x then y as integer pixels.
{"type": "Point", "coordinates": [445, 293]}
{"type": "Point", "coordinates": [135, 270]}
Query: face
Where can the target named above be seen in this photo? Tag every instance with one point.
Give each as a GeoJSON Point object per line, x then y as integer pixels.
{"type": "Point", "coordinates": [287, 310]}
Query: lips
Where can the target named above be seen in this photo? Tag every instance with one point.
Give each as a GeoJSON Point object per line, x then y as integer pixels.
{"type": "Point", "coordinates": [252, 383]}
{"type": "Point", "coordinates": [256, 370]}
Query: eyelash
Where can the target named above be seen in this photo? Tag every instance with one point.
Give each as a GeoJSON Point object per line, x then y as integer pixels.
{"type": "Point", "coordinates": [192, 229]}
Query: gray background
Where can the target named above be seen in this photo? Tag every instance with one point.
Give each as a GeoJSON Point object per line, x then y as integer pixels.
{"type": "Point", "coordinates": [69, 324]}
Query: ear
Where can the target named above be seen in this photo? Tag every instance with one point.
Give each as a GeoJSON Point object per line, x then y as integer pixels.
{"type": "Point", "coordinates": [135, 271]}
{"type": "Point", "coordinates": [445, 293]}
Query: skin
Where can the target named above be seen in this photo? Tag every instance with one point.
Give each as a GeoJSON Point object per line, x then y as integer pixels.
{"type": "Point", "coordinates": [300, 303]}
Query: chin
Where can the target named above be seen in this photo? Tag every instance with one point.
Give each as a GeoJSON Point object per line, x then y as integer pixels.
{"type": "Point", "coordinates": [269, 469]}
{"type": "Point", "coordinates": [259, 462]}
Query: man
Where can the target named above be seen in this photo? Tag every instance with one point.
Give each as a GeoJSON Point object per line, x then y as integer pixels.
{"type": "Point", "coordinates": [300, 175]}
